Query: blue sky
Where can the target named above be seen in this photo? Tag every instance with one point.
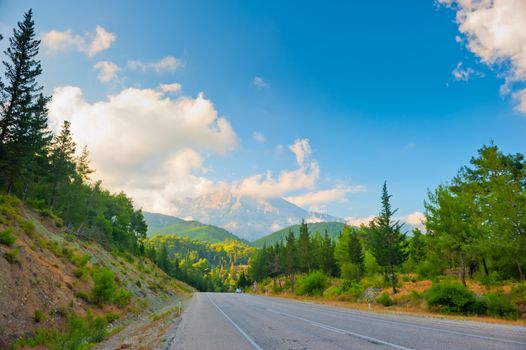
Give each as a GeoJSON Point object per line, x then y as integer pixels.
{"type": "Point", "coordinates": [369, 84]}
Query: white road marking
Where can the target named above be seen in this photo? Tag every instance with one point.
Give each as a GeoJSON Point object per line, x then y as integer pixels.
{"type": "Point", "coordinates": [341, 331]}
{"type": "Point", "coordinates": [252, 342]}
{"type": "Point", "coordinates": [355, 315]}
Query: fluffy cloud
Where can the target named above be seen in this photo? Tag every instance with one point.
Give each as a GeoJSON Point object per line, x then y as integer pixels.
{"type": "Point", "coordinates": [266, 185]}
{"type": "Point", "coordinates": [495, 31]}
{"type": "Point", "coordinates": [55, 41]}
{"type": "Point", "coordinates": [145, 143]}
{"type": "Point", "coordinates": [166, 64]}
{"type": "Point", "coordinates": [260, 83]}
{"type": "Point", "coordinates": [360, 221]}
{"type": "Point", "coordinates": [107, 71]}
{"type": "Point", "coordinates": [170, 88]}
{"type": "Point", "coordinates": [416, 219]}
{"type": "Point", "coordinates": [259, 137]}
{"type": "Point", "coordinates": [315, 200]}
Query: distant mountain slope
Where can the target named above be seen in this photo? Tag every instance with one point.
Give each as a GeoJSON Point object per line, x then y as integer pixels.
{"type": "Point", "coordinates": [333, 229]}
{"type": "Point", "coordinates": [195, 230]}
{"type": "Point", "coordinates": [246, 216]}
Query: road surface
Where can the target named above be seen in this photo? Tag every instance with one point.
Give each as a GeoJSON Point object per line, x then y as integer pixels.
{"type": "Point", "coordinates": [240, 321]}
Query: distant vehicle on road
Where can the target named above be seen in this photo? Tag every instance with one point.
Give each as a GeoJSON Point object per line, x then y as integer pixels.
{"type": "Point", "coordinates": [238, 290]}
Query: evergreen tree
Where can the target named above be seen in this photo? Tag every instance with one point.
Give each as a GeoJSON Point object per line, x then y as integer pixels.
{"type": "Point", "coordinates": [24, 135]}
{"type": "Point", "coordinates": [356, 254]}
{"type": "Point", "coordinates": [388, 243]}
{"type": "Point", "coordinates": [304, 253]}
{"type": "Point", "coordinates": [83, 167]}
{"type": "Point", "coordinates": [327, 260]}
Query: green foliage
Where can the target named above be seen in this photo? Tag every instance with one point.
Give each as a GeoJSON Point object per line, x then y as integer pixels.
{"type": "Point", "coordinates": [122, 297]}
{"type": "Point", "coordinates": [104, 287]}
{"type": "Point", "coordinates": [499, 305]}
{"type": "Point", "coordinates": [518, 294]}
{"type": "Point", "coordinates": [78, 334]}
{"type": "Point", "coordinates": [388, 243]}
{"type": "Point", "coordinates": [384, 299]}
{"type": "Point", "coordinates": [312, 284]}
{"type": "Point", "coordinates": [333, 230]}
{"type": "Point", "coordinates": [12, 256]}
{"type": "Point", "coordinates": [6, 237]}
{"type": "Point", "coordinates": [39, 316]}
{"type": "Point", "coordinates": [451, 298]}
{"type": "Point", "coordinates": [80, 272]}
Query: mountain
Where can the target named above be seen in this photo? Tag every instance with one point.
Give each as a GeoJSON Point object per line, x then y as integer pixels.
{"type": "Point", "coordinates": [247, 217]}
{"type": "Point", "coordinates": [332, 228]}
{"type": "Point", "coordinates": [165, 224]}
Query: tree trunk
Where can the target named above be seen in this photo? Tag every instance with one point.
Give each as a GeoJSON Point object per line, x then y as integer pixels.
{"type": "Point", "coordinates": [463, 270]}
{"type": "Point", "coordinates": [485, 266]}
{"type": "Point", "coordinates": [393, 280]}
{"type": "Point", "coordinates": [521, 274]}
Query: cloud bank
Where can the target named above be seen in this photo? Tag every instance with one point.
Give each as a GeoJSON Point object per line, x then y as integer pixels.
{"type": "Point", "coordinates": [495, 31]}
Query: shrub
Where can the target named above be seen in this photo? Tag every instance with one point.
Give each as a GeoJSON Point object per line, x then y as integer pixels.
{"type": "Point", "coordinates": [12, 256]}
{"type": "Point", "coordinates": [28, 227]}
{"type": "Point", "coordinates": [6, 237]}
{"type": "Point", "coordinates": [104, 288]}
{"type": "Point", "coordinates": [122, 297]}
{"type": "Point", "coordinates": [312, 284]}
{"type": "Point", "coordinates": [518, 294]}
{"type": "Point", "coordinates": [492, 279]}
{"type": "Point", "coordinates": [78, 334]}
{"type": "Point", "coordinates": [39, 316]}
{"type": "Point", "coordinates": [81, 295]}
{"type": "Point", "coordinates": [374, 281]}
{"type": "Point", "coordinates": [498, 305]}
{"type": "Point", "coordinates": [430, 268]}
{"type": "Point", "coordinates": [450, 297]}
{"type": "Point", "coordinates": [79, 272]}
{"type": "Point", "coordinates": [80, 259]}
{"type": "Point", "coordinates": [384, 299]}
{"type": "Point", "coordinates": [350, 271]}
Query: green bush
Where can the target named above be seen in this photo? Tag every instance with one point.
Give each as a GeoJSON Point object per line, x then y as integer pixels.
{"type": "Point", "coordinates": [78, 334]}
{"type": "Point", "coordinates": [312, 284]}
{"type": "Point", "coordinates": [499, 305]}
{"type": "Point", "coordinates": [39, 316]}
{"type": "Point", "coordinates": [6, 237]}
{"type": "Point", "coordinates": [349, 271]}
{"type": "Point", "coordinates": [384, 299]}
{"type": "Point", "coordinates": [122, 297]}
{"type": "Point", "coordinates": [518, 294]}
{"type": "Point", "coordinates": [104, 288]}
{"type": "Point", "coordinates": [12, 256]}
{"type": "Point", "coordinates": [79, 272]}
{"type": "Point", "coordinates": [28, 227]}
{"type": "Point", "coordinates": [80, 259]}
{"type": "Point", "coordinates": [450, 297]}
{"type": "Point", "coordinates": [431, 268]}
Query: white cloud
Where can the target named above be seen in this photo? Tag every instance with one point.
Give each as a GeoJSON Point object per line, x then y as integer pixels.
{"type": "Point", "coordinates": [301, 149]}
{"type": "Point", "coordinates": [166, 64]}
{"type": "Point", "coordinates": [266, 186]}
{"type": "Point", "coordinates": [416, 219]}
{"type": "Point", "coordinates": [170, 88]}
{"type": "Point", "coordinates": [521, 97]}
{"type": "Point", "coordinates": [495, 31]}
{"type": "Point", "coordinates": [56, 41]}
{"type": "Point", "coordinates": [464, 74]}
{"type": "Point", "coordinates": [353, 221]}
{"type": "Point", "coordinates": [259, 137]}
{"type": "Point", "coordinates": [145, 143]}
{"type": "Point", "coordinates": [316, 199]}
{"type": "Point", "coordinates": [107, 71]}
{"type": "Point", "coordinates": [260, 83]}
{"type": "Point", "coordinates": [102, 41]}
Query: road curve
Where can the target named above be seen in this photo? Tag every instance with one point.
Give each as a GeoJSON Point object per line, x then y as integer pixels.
{"type": "Point", "coordinates": [240, 321]}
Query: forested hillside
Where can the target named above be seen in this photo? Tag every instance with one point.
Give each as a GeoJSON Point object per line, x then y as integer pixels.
{"type": "Point", "coordinates": [159, 224]}
{"type": "Point", "coordinates": [333, 229]}
{"type": "Point", "coordinates": [72, 253]}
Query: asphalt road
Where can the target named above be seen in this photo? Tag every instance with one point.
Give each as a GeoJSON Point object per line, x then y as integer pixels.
{"type": "Point", "coordinates": [240, 321]}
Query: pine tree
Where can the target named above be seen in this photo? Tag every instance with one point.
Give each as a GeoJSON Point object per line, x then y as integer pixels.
{"type": "Point", "coordinates": [62, 161]}
{"type": "Point", "coordinates": [388, 243]}
{"type": "Point", "coordinates": [356, 255]}
{"type": "Point", "coordinates": [304, 256]}
{"type": "Point", "coordinates": [83, 167]}
{"type": "Point", "coordinates": [23, 115]}
{"type": "Point", "coordinates": [327, 260]}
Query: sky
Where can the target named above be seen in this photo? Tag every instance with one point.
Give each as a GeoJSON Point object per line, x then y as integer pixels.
{"type": "Point", "coordinates": [318, 103]}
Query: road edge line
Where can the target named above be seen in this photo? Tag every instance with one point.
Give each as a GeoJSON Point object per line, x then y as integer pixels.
{"type": "Point", "coordinates": [247, 337]}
